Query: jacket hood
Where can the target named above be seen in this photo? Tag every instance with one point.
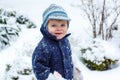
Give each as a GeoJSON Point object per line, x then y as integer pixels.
{"type": "Point", "coordinates": [46, 33]}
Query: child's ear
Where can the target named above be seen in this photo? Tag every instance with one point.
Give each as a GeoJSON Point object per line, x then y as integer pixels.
{"type": "Point", "coordinates": [68, 24]}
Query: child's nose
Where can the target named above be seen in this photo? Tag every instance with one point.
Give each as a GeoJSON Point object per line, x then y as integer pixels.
{"type": "Point", "coordinates": [59, 28]}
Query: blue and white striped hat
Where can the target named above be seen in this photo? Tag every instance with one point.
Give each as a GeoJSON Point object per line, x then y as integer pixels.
{"type": "Point", "coordinates": [54, 12]}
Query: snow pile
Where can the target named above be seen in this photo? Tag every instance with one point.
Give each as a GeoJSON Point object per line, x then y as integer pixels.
{"type": "Point", "coordinates": [97, 56]}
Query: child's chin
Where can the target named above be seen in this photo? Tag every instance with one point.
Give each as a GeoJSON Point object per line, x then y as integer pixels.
{"type": "Point", "coordinates": [59, 37]}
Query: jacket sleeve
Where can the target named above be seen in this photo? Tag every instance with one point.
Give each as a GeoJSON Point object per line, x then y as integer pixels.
{"type": "Point", "coordinates": [40, 63]}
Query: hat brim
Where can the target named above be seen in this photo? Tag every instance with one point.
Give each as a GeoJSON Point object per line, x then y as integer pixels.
{"type": "Point", "coordinates": [60, 18]}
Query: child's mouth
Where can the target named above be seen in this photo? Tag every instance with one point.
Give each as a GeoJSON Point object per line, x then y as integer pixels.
{"type": "Point", "coordinates": [58, 33]}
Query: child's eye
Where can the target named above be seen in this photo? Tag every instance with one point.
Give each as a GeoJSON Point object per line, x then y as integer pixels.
{"type": "Point", "coordinates": [53, 25]}
{"type": "Point", "coordinates": [62, 25]}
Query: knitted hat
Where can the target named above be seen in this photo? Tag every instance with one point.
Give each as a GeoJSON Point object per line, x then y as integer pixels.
{"type": "Point", "coordinates": [54, 12]}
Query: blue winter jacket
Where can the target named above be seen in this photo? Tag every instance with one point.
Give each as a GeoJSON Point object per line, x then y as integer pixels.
{"type": "Point", "coordinates": [52, 55]}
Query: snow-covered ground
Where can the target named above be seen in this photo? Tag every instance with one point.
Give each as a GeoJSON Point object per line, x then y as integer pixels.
{"type": "Point", "coordinates": [28, 39]}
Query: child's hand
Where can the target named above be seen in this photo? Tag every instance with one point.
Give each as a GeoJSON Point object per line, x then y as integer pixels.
{"type": "Point", "coordinates": [57, 75]}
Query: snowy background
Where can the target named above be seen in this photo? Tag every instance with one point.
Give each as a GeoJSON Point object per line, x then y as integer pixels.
{"type": "Point", "coordinates": [15, 60]}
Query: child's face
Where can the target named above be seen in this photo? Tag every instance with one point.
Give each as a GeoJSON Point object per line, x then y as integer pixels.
{"type": "Point", "coordinates": [58, 28]}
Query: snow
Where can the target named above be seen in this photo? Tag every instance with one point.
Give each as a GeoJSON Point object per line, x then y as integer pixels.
{"type": "Point", "coordinates": [19, 54]}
